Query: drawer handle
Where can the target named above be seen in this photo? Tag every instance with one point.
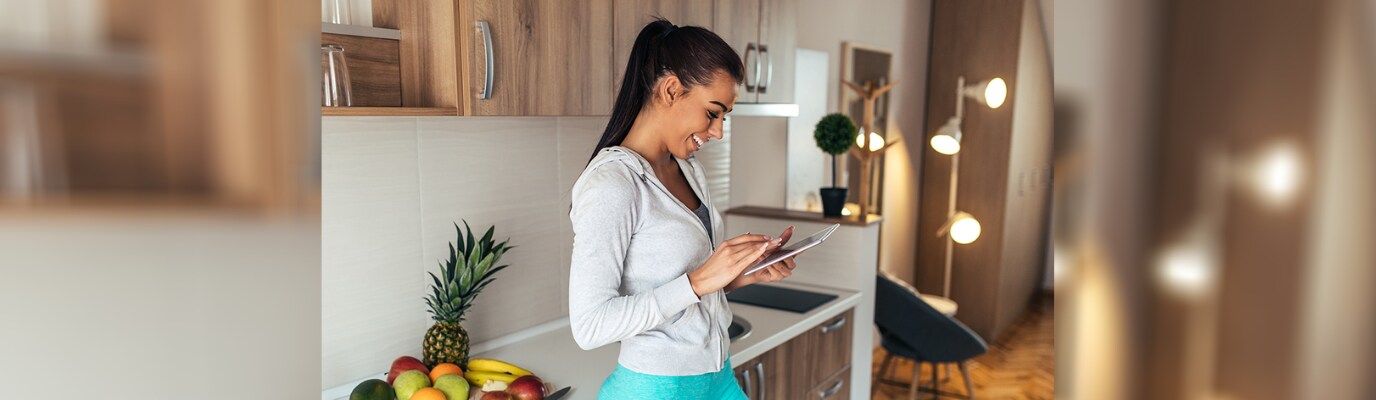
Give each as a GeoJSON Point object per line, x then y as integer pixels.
{"type": "Point", "coordinates": [759, 373]}
{"type": "Point", "coordinates": [748, 387]}
{"type": "Point", "coordinates": [834, 326]}
{"type": "Point", "coordinates": [750, 47]}
{"type": "Point", "coordinates": [485, 92]}
{"type": "Point", "coordinates": [769, 69]}
{"type": "Point", "coordinates": [834, 388]}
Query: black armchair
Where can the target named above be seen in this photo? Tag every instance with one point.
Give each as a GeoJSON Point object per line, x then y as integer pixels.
{"type": "Point", "coordinates": [912, 329]}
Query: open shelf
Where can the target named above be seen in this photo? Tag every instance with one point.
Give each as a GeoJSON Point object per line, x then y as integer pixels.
{"type": "Point", "coordinates": [388, 111]}
{"type": "Point", "coordinates": [362, 31]}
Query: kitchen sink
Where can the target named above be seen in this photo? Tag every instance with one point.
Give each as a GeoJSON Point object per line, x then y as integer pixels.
{"type": "Point", "coordinates": [739, 329]}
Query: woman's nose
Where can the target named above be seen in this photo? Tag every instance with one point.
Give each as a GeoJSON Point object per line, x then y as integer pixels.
{"type": "Point", "coordinates": [715, 130]}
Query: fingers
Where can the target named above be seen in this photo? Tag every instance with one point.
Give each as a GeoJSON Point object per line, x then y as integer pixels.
{"type": "Point", "coordinates": [784, 237]}
{"type": "Point", "coordinates": [746, 238]}
{"type": "Point", "coordinates": [750, 257]}
{"type": "Point", "coordinates": [777, 272]}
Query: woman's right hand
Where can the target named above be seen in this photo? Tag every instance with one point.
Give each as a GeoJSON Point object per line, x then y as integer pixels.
{"type": "Point", "coordinates": [731, 258]}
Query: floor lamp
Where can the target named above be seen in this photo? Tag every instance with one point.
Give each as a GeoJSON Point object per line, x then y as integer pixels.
{"type": "Point", "coordinates": [960, 226]}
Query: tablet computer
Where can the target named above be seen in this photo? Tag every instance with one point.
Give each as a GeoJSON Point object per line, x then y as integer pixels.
{"type": "Point", "coordinates": [794, 248]}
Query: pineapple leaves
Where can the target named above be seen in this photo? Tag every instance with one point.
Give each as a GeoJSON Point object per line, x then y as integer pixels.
{"type": "Point", "coordinates": [468, 270]}
{"type": "Point", "coordinates": [470, 236]}
{"type": "Point", "coordinates": [458, 232]}
{"type": "Point", "coordinates": [487, 239]}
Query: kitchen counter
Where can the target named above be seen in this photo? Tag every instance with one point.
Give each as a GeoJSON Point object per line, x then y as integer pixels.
{"type": "Point", "coordinates": [555, 357]}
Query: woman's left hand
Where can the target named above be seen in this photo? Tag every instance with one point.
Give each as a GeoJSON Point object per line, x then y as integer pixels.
{"type": "Point", "coordinates": [773, 273]}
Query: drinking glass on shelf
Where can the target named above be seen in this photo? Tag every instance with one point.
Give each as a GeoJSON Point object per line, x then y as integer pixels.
{"type": "Point", "coordinates": [336, 11]}
{"type": "Point", "coordinates": [334, 73]}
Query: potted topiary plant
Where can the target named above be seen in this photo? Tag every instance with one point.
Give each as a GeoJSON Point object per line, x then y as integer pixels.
{"type": "Point", "coordinates": [834, 135]}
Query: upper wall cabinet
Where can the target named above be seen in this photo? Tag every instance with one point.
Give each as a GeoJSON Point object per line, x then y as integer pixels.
{"type": "Point", "coordinates": [764, 33]}
{"type": "Point", "coordinates": [632, 15]}
{"type": "Point", "coordinates": [536, 57]}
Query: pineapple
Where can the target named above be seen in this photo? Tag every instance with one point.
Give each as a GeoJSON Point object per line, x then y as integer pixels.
{"type": "Point", "coordinates": [468, 270]}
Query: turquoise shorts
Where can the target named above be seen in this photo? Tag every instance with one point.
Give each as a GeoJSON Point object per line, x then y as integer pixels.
{"type": "Point", "coordinates": [628, 384]}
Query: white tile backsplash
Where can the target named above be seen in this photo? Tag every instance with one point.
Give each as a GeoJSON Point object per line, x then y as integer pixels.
{"type": "Point", "coordinates": [497, 171]}
{"type": "Point", "coordinates": [370, 309]}
{"type": "Point", "coordinates": [393, 188]}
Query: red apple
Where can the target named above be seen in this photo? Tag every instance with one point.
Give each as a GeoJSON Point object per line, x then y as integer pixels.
{"type": "Point", "coordinates": [496, 396]}
{"type": "Point", "coordinates": [528, 387]}
{"type": "Point", "coordinates": [403, 364]}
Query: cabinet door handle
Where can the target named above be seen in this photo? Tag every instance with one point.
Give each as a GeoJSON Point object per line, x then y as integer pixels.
{"type": "Point", "coordinates": [748, 387]}
{"type": "Point", "coordinates": [485, 92]}
{"type": "Point", "coordinates": [748, 86]}
{"type": "Point", "coordinates": [759, 373]}
{"type": "Point", "coordinates": [834, 325]}
{"type": "Point", "coordinates": [769, 68]}
{"type": "Point", "coordinates": [831, 391]}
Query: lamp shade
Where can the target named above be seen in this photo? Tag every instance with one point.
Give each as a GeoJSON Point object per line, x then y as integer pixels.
{"type": "Point", "coordinates": [962, 227]}
{"type": "Point", "coordinates": [876, 141]}
{"type": "Point", "coordinates": [947, 138]}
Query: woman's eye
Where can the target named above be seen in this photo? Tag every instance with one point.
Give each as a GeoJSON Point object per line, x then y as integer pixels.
{"type": "Point", "coordinates": [711, 115]}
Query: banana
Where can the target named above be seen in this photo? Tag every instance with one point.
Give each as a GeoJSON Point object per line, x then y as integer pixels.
{"type": "Point", "coordinates": [478, 378]}
{"type": "Point", "coordinates": [488, 364]}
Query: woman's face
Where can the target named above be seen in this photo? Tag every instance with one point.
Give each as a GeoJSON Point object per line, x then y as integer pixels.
{"type": "Point", "coordinates": [695, 117]}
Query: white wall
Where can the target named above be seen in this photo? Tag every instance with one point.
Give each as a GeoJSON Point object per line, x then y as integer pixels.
{"type": "Point", "coordinates": [902, 27]}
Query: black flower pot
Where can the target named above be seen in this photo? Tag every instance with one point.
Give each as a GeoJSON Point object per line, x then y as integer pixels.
{"type": "Point", "coordinates": [833, 201]}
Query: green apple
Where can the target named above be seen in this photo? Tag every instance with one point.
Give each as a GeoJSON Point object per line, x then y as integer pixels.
{"type": "Point", "coordinates": [409, 382]}
{"type": "Point", "coordinates": [453, 386]}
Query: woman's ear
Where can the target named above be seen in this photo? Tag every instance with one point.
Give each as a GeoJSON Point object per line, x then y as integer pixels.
{"type": "Point", "coordinates": [670, 89]}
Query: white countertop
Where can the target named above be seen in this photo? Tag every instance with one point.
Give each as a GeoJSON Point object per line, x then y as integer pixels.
{"type": "Point", "coordinates": [555, 357]}
{"type": "Point", "coordinates": [549, 351]}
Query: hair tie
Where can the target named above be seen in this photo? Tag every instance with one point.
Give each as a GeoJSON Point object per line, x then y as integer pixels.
{"type": "Point", "coordinates": [667, 31]}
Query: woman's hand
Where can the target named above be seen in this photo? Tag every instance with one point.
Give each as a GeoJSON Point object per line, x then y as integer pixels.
{"type": "Point", "coordinates": [774, 272]}
{"type": "Point", "coordinates": [726, 264]}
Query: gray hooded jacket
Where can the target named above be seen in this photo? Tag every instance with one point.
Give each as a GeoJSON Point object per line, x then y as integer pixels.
{"type": "Point", "coordinates": [634, 244]}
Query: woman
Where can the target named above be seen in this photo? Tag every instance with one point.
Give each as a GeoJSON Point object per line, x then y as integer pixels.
{"type": "Point", "coordinates": [649, 266]}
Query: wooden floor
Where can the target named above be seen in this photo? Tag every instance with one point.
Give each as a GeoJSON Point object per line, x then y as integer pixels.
{"type": "Point", "coordinates": [1020, 365]}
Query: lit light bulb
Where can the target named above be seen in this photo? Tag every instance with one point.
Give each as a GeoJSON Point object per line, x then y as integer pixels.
{"type": "Point", "coordinates": [945, 144]}
{"type": "Point", "coordinates": [947, 139]}
{"type": "Point", "coordinates": [850, 209]}
{"type": "Point", "coordinates": [995, 92]}
{"type": "Point", "coordinates": [876, 141]}
{"type": "Point", "coordinates": [965, 229]}
{"type": "Point", "coordinates": [1186, 269]}
{"type": "Point", "coordinates": [1277, 174]}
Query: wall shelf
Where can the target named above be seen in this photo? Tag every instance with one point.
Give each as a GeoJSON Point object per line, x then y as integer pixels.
{"type": "Point", "coordinates": [388, 111]}
{"type": "Point", "coordinates": [362, 31]}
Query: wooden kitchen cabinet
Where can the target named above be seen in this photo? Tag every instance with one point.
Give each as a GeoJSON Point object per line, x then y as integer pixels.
{"type": "Point", "coordinates": [546, 57]}
{"type": "Point", "coordinates": [835, 387]}
{"type": "Point", "coordinates": [779, 41]}
{"type": "Point", "coordinates": [763, 32]}
{"type": "Point", "coordinates": [809, 366]}
{"type": "Point", "coordinates": [632, 15]}
{"type": "Point", "coordinates": [830, 342]}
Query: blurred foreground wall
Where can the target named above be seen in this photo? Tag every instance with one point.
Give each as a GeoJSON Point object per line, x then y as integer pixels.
{"type": "Point", "coordinates": [159, 199]}
{"type": "Point", "coordinates": [1214, 196]}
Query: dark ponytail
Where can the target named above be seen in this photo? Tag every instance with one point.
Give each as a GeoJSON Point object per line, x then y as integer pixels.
{"type": "Point", "coordinates": [692, 53]}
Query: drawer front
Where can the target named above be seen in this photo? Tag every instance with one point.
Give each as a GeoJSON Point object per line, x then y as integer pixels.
{"type": "Point", "coordinates": [831, 342]}
{"type": "Point", "coordinates": [836, 387]}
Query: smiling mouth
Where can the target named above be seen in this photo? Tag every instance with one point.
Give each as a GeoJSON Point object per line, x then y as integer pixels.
{"type": "Point", "coordinates": [697, 141]}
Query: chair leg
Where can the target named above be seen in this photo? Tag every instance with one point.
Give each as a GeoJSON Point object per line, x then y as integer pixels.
{"type": "Point", "coordinates": [879, 377]}
{"type": "Point", "coordinates": [936, 381]}
{"type": "Point", "coordinates": [912, 389]}
{"type": "Point", "coordinates": [969, 386]}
